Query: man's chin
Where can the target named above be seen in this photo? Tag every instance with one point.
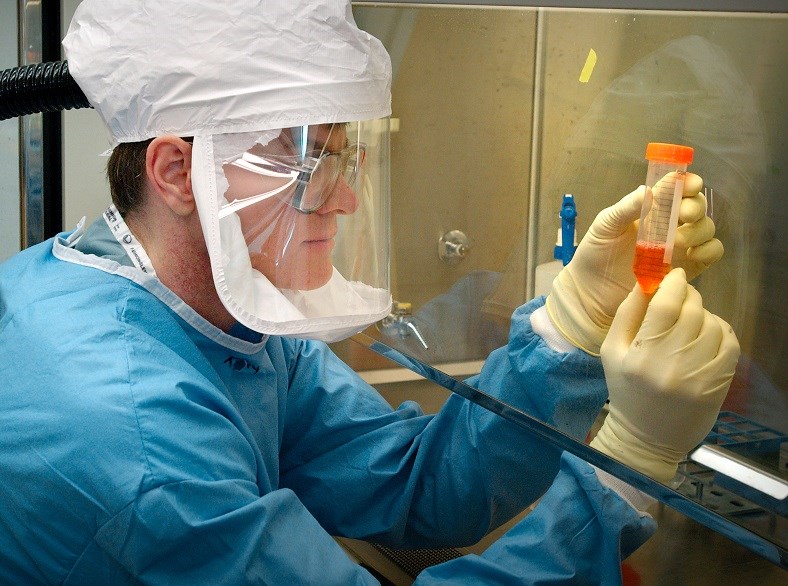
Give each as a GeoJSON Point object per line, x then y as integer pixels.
{"type": "Point", "coordinates": [313, 280]}
{"type": "Point", "coordinates": [317, 283]}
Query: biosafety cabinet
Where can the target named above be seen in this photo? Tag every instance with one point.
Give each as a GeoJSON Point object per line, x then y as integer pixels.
{"type": "Point", "coordinates": [500, 109]}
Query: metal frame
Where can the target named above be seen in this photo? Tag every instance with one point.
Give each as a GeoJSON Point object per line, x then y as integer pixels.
{"type": "Point", "coordinates": [40, 135]}
{"type": "Point", "coordinates": [775, 6]}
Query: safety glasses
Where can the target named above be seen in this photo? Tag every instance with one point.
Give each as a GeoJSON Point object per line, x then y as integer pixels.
{"type": "Point", "coordinates": [303, 181]}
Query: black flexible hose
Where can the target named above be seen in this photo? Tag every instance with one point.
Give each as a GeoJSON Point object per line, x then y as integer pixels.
{"type": "Point", "coordinates": [42, 87]}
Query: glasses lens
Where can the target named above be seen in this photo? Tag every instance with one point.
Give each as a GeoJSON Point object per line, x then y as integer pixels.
{"type": "Point", "coordinates": [352, 163]}
{"type": "Point", "coordinates": [315, 187]}
{"type": "Point", "coordinates": [320, 184]}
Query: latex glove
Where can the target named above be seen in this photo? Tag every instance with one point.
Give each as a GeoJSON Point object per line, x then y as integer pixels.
{"type": "Point", "coordinates": [667, 376]}
{"type": "Point", "coordinates": [587, 292]}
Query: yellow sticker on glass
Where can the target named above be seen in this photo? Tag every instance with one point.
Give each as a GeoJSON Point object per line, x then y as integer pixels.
{"type": "Point", "coordinates": [588, 68]}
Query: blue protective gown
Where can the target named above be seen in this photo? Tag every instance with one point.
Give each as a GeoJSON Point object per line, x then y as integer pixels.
{"type": "Point", "coordinates": [140, 443]}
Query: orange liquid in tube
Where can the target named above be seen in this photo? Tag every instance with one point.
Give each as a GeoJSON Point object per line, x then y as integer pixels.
{"type": "Point", "coordinates": [659, 217]}
{"type": "Point", "coordinates": [649, 266]}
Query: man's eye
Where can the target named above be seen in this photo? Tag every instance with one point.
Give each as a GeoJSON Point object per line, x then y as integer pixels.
{"type": "Point", "coordinates": [316, 154]}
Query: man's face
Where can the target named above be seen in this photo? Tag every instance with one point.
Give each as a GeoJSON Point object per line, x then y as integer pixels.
{"type": "Point", "coordinates": [292, 248]}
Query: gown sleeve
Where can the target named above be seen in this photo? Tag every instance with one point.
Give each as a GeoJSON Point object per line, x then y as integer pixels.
{"type": "Point", "coordinates": [219, 532]}
{"type": "Point", "coordinates": [431, 481]}
{"type": "Point", "coordinates": [577, 534]}
{"type": "Point", "coordinates": [194, 532]}
{"type": "Point", "coordinates": [350, 465]}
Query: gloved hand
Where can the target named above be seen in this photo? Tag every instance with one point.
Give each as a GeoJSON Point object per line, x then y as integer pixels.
{"type": "Point", "coordinates": [666, 376]}
{"type": "Point", "coordinates": [587, 292]}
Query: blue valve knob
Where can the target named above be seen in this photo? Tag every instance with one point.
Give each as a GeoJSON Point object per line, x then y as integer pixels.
{"type": "Point", "coordinates": [565, 250]}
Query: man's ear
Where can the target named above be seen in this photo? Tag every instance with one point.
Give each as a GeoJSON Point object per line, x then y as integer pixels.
{"type": "Point", "coordinates": [168, 164]}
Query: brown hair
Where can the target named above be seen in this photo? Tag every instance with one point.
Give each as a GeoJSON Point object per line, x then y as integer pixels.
{"type": "Point", "coordinates": [126, 175]}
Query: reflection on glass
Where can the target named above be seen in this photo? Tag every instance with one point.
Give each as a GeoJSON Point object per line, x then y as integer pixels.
{"type": "Point", "coordinates": [464, 160]}
{"type": "Point", "coordinates": [469, 87]}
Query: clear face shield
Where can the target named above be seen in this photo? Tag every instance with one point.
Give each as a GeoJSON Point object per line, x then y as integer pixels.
{"type": "Point", "coordinates": [296, 223]}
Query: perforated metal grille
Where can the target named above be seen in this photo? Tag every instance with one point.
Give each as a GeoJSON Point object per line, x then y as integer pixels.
{"type": "Point", "coordinates": [413, 561]}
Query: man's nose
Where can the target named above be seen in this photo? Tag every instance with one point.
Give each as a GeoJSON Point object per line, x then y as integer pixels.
{"type": "Point", "coordinates": [342, 199]}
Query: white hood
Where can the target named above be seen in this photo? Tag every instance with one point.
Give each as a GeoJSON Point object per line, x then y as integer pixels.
{"type": "Point", "coordinates": [153, 67]}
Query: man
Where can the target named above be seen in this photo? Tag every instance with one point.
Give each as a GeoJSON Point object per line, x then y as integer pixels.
{"type": "Point", "coordinates": [169, 416]}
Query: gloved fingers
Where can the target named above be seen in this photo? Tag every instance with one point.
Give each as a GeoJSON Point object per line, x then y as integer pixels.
{"type": "Point", "coordinates": [695, 233]}
{"type": "Point", "coordinates": [693, 184]}
{"type": "Point", "coordinates": [614, 220]}
{"type": "Point", "coordinates": [723, 364]}
{"type": "Point", "coordinates": [665, 306]}
{"type": "Point", "coordinates": [705, 345]}
{"type": "Point", "coordinates": [699, 258]}
{"type": "Point", "coordinates": [692, 208]}
{"type": "Point", "coordinates": [692, 322]}
{"type": "Point", "coordinates": [627, 321]}
{"type": "Point", "coordinates": [709, 360]}
{"type": "Point", "coordinates": [729, 346]}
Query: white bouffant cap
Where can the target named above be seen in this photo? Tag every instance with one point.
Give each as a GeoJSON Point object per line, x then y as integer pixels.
{"type": "Point", "coordinates": [153, 67]}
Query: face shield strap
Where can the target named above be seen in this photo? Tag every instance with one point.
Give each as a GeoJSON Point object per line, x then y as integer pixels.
{"type": "Point", "coordinates": [238, 204]}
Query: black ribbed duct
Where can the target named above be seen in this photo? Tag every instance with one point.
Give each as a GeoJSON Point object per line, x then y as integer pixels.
{"type": "Point", "coordinates": [41, 87]}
